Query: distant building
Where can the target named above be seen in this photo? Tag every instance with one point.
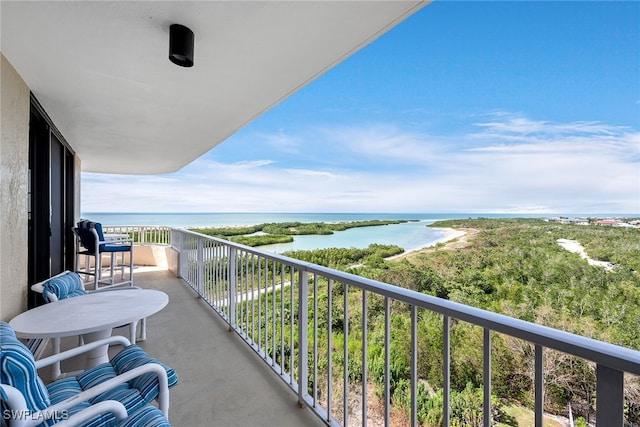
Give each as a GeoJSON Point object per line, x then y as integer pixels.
{"type": "Point", "coordinates": [609, 222]}
{"type": "Point", "coordinates": [565, 220]}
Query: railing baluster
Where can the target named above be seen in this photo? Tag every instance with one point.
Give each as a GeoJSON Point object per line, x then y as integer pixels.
{"type": "Point", "coordinates": [282, 355]}
{"type": "Point", "coordinates": [253, 298]}
{"type": "Point", "coordinates": [329, 348]}
{"type": "Point", "coordinates": [245, 295]}
{"type": "Point", "coordinates": [200, 266]}
{"type": "Point", "coordinates": [303, 336]}
{"type": "Point", "coordinates": [223, 280]}
{"type": "Point", "coordinates": [233, 277]}
{"type": "Point", "coordinates": [219, 280]}
{"type": "Point", "coordinates": [182, 259]}
{"type": "Point", "coordinates": [217, 262]}
{"type": "Point", "coordinates": [242, 293]}
{"type": "Point", "coordinates": [539, 385]}
{"type": "Point", "coordinates": [315, 340]}
{"type": "Point", "coordinates": [365, 351]}
{"type": "Point", "coordinates": [291, 325]}
{"type": "Point", "coordinates": [239, 295]}
{"type": "Point", "coordinates": [609, 397]}
{"type": "Point", "coordinates": [487, 377]}
{"type": "Point", "coordinates": [257, 337]}
{"type": "Point", "coordinates": [446, 381]}
{"type": "Point", "coordinates": [242, 287]}
{"type": "Point", "coordinates": [206, 283]}
{"type": "Point", "coordinates": [218, 295]}
{"type": "Point", "coordinates": [387, 377]}
{"type": "Point", "coordinates": [345, 355]}
{"type": "Point", "coordinates": [266, 308]}
{"type": "Point", "coordinates": [273, 314]}
{"type": "Point", "coordinates": [414, 366]}
{"type": "Point", "coordinates": [186, 260]}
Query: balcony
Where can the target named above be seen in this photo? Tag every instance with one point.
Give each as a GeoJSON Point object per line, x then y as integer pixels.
{"type": "Point", "coordinates": [222, 382]}
{"type": "Point", "coordinates": [239, 320]}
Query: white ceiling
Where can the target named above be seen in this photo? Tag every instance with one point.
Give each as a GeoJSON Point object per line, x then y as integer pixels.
{"type": "Point", "coordinates": [101, 70]}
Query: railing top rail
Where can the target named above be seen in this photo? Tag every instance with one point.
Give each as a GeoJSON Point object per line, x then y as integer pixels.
{"type": "Point", "coordinates": [611, 355]}
{"type": "Point", "coordinates": [164, 227]}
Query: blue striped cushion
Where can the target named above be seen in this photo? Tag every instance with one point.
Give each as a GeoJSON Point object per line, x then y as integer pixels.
{"type": "Point", "coordinates": [18, 369]}
{"type": "Point", "coordinates": [69, 387]}
{"type": "Point", "coordinates": [67, 285]}
{"type": "Point", "coordinates": [133, 356]}
{"type": "Point", "coordinates": [127, 358]}
{"type": "Point", "coordinates": [134, 395]}
{"type": "Point", "coordinates": [65, 389]}
{"type": "Point", "coordinates": [97, 375]}
{"type": "Point", "coordinates": [149, 416]}
{"type": "Point", "coordinates": [130, 398]}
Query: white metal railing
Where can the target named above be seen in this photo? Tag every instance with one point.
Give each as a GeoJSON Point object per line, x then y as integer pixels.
{"type": "Point", "coordinates": [142, 234]}
{"type": "Point", "coordinates": [273, 303]}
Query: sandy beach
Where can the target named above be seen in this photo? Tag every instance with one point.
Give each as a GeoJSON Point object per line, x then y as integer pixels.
{"type": "Point", "coordinates": [450, 234]}
{"type": "Point", "coordinates": [576, 247]}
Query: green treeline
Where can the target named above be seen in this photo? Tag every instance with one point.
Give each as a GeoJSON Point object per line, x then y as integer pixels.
{"type": "Point", "coordinates": [510, 266]}
{"type": "Point", "coordinates": [321, 228]}
{"type": "Point", "coordinates": [261, 240]}
{"type": "Point", "coordinates": [341, 258]}
{"type": "Point", "coordinates": [271, 233]}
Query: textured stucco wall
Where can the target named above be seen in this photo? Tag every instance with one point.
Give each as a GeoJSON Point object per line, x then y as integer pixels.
{"type": "Point", "coordinates": [14, 166]}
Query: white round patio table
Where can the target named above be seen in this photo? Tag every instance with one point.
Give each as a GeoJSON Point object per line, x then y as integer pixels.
{"type": "Point", "coordinates": [92, 315]}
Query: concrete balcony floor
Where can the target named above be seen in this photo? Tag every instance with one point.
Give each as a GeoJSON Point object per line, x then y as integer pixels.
{"type": "Point", "coordinates": [222, 382]}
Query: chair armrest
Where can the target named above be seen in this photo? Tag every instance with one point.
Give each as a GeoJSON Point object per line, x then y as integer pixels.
{"type": "Point", "coordinates": [77, 419]}
{"type": "Point", "coordinates": [80, 350]}
{"type": "Point", "coordinates": [20, 416]}
{"type": "Point", "coordinates": [129, 242]}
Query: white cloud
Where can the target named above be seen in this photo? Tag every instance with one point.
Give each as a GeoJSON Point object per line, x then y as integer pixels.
{"type": "Point", "coordinates": [312, 173]}
{"type": "Point", "coordinates": [510, 164]}
{"type": "Point", "coordinates": [388, 144]}
{"type": "Point", "coordinates": [282, 142]}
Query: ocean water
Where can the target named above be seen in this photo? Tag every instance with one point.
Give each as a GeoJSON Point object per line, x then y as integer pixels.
{"type": "Point", "coordinates": [410, 235]}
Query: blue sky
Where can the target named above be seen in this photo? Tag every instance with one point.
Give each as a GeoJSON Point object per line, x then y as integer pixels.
{"type": "Point", "coordinates": [507, 107]}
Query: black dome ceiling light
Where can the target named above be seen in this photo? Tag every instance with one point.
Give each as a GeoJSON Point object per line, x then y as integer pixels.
{"type": "Point", "coordinates": [181, 45]}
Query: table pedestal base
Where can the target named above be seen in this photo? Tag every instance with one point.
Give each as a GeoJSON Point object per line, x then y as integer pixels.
{"type": "Point", "coordinates": [100, 354]}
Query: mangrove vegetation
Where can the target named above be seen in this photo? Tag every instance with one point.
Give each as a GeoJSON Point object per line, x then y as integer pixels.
{"type": "Point", "coordinates": [511, 266]}
{"type": "Point", "coordinates": [272, 233]}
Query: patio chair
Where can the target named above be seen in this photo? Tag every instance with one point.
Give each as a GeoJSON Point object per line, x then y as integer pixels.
{"type": "Point", "coordinates": [100, 396]}
{"type": "Point", "coordinates": [91, 242]}
{"type": "Point", "coordinates": [68, 284]}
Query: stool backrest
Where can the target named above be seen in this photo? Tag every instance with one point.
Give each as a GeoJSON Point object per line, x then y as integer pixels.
{"type": "Point", "coordinates": [87, 240]}
{"type": "Point", "coordinates": [87, 231]}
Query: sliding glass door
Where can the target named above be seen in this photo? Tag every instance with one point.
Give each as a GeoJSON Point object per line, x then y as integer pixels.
{"type": "Point", "coordinates": [51, 200]}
